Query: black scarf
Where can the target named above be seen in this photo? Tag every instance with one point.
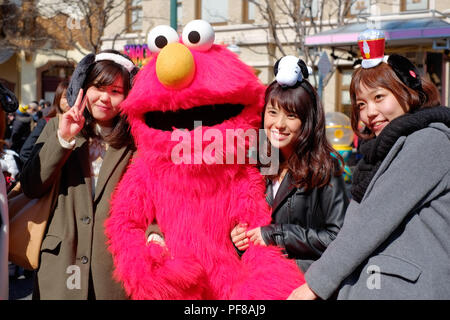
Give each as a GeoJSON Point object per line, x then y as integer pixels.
{"type": "Point", "coordinates": [375, 150]}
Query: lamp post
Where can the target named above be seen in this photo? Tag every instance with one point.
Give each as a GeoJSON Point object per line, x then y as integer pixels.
{"type": "Point", "coordinates": [173, 14]}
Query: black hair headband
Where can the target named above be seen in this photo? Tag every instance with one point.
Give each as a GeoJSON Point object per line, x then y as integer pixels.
{"type": "Point", "coordinates": [406, 71]}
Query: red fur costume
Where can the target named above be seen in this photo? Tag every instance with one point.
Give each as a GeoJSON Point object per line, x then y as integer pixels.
{"type": "Point", "coordinates": [195, 205]}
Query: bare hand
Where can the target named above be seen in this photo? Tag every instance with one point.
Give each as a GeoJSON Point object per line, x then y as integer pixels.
{"type": "Point", "coordinates": [303, 292]}
{"type": "Point", "coordinates": [239, 237]}
{"type": "Point", "coordinates": [72, 121]}
{"type": "Point", "coordinates": [255, 236]}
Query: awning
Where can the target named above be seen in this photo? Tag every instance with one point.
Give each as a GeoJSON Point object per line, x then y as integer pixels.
{"type": "Point", "coordinates": [431, 31]}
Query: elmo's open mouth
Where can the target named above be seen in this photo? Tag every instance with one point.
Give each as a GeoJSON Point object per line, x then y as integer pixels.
{"type": "Point", "coordinates": [209, 115]}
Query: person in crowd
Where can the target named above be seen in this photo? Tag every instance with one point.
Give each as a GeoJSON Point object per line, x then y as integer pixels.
{"type": "Point", "coordinates": [35, 111]}
{"type": "Point", "coordinates": [307, 194]}
{"type": "Point", "coordinates": [21, 128]}
{"type": "Point", "coordinates": [41, 104]}
{"type": "Point", "coordinates": [8, 103]}
{"type": "Point", "coordinates": [59, 106]}
{"type": "Point", "coordinates": [394, 243]}
{"type": "Point", "coordinates": [10, 116]}
{"type": "Point", "coordinates": [61, 96]}
{"type": "Point", "coordinates": [86, 150]}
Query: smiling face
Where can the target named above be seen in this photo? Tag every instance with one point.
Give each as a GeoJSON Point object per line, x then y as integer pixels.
{"type": "Point", "coordinates": [282, 128]}
{"type": "Point", "coordinates": [103, 101]}
{"type": "Point", "coordinates": [377, 107]}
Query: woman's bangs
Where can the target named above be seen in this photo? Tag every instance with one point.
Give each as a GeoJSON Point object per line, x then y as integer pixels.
{"type": "Point", "coordinates": [379, 77]}
{"type": "Point", "coordinates": [284, 100]}
{"type": "Point", "coordinates": [107, 77]}
{"type": "Point", "coordinates": [105, 73]}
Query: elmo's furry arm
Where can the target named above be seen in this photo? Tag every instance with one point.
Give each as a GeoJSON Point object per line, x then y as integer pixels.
{"type": "Point", "coordinates": [267, 273]}
{"type": "Point", "coordinates": [147, 271]}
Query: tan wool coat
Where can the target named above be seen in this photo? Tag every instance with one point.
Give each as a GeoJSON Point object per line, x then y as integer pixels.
{"type": "Point", "coordinates": [75, 262]}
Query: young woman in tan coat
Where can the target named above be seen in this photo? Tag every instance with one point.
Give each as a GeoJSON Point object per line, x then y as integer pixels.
{"type": "Point", "coordinates": [86, 152]}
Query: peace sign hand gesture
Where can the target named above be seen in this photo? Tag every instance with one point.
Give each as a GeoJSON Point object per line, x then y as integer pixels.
{"type": "Point", "coordinates": [72, 121]}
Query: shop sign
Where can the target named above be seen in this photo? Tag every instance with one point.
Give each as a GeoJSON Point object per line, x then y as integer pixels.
{"type": "Point", "coordinates": [138, 53]}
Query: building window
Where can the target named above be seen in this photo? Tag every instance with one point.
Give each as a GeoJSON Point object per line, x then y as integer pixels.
{"type": "Point", "coordinates": [344, 79]}
{"type": "Point", "coordinates": [49, 76]}
{"type": "Point", "coordinates": [135, 15]}
{"type": "Point", "coordinates": [306, 8]}
{"type": "Point", "coordinates": [411, 5]}
{"type": "Point", "coordinates": [213, 11]}
{"type": "Point", "coordinates": [311, 8]}
{"type": "Point", "coordinates": [248, 11]}
{"type": "Point", "coordinates": [359, 7]}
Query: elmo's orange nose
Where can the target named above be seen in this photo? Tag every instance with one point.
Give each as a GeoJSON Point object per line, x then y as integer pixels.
{"type": "Point", "coordinates": [175, 66]}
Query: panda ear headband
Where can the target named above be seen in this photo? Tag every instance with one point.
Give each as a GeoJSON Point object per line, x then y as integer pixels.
{"type": "Point", "coordinates": [84, 66]}
{"type": "Point", "coordinates": [291, 71]}
{"type": "Point", "coordinates": [371, 43]}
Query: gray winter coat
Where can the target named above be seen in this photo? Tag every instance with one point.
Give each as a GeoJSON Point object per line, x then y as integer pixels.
{"type": "Point", "coordinates": [395, 244]}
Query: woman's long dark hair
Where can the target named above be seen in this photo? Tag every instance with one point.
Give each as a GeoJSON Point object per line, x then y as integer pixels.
{"type": "Point", "coordinates": [314, 160]}
{"type": "Point", "coordinates": [104, 73]}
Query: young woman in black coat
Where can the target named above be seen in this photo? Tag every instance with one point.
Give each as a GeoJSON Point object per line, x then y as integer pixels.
{"type": "Point", "coordinates": [307, 194]}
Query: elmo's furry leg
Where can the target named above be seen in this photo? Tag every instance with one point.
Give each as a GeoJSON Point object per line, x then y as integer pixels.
{"type": "Point", "coordinates": [147, 271]}
{"type": "Point", "coordinates": [267, 275]}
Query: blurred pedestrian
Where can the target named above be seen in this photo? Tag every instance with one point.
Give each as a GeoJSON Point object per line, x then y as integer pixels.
{"type": "Point", "coordinates": [41, 104]}
{"type": "Point", "coordinates": [21, 128]}
{"type": "Point", "coordinates": [10, 116]}
{"type": "Point", "coordinates": [35, 111]}
{"type": "Point", "coordinates": [59, 104]}
{"type": "Point", "coordinates": [8, 103]}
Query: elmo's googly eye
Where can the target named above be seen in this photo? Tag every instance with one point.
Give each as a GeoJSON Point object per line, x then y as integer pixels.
{"type": "Point", "coordinates": [198, 35]}
{"type": "Point", "coordinates": [161, 36]}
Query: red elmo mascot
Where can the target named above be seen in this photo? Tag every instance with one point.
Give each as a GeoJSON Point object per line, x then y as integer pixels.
{"type": "Point", "coordinates": [189, 178]}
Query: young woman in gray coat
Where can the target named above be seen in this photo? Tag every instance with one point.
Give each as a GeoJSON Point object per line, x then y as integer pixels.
{"type": "Point", "coordinates": [395, 241]}
{"type": "Point", "coordinates": [88, 149]}
{"type": "Point", "coordinates": [307, 194]}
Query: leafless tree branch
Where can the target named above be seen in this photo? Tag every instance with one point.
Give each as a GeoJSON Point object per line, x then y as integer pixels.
{"type": "Point", "coordinates": [57, 25]}
{"type": "Point", "coordinates": [290, 21]}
